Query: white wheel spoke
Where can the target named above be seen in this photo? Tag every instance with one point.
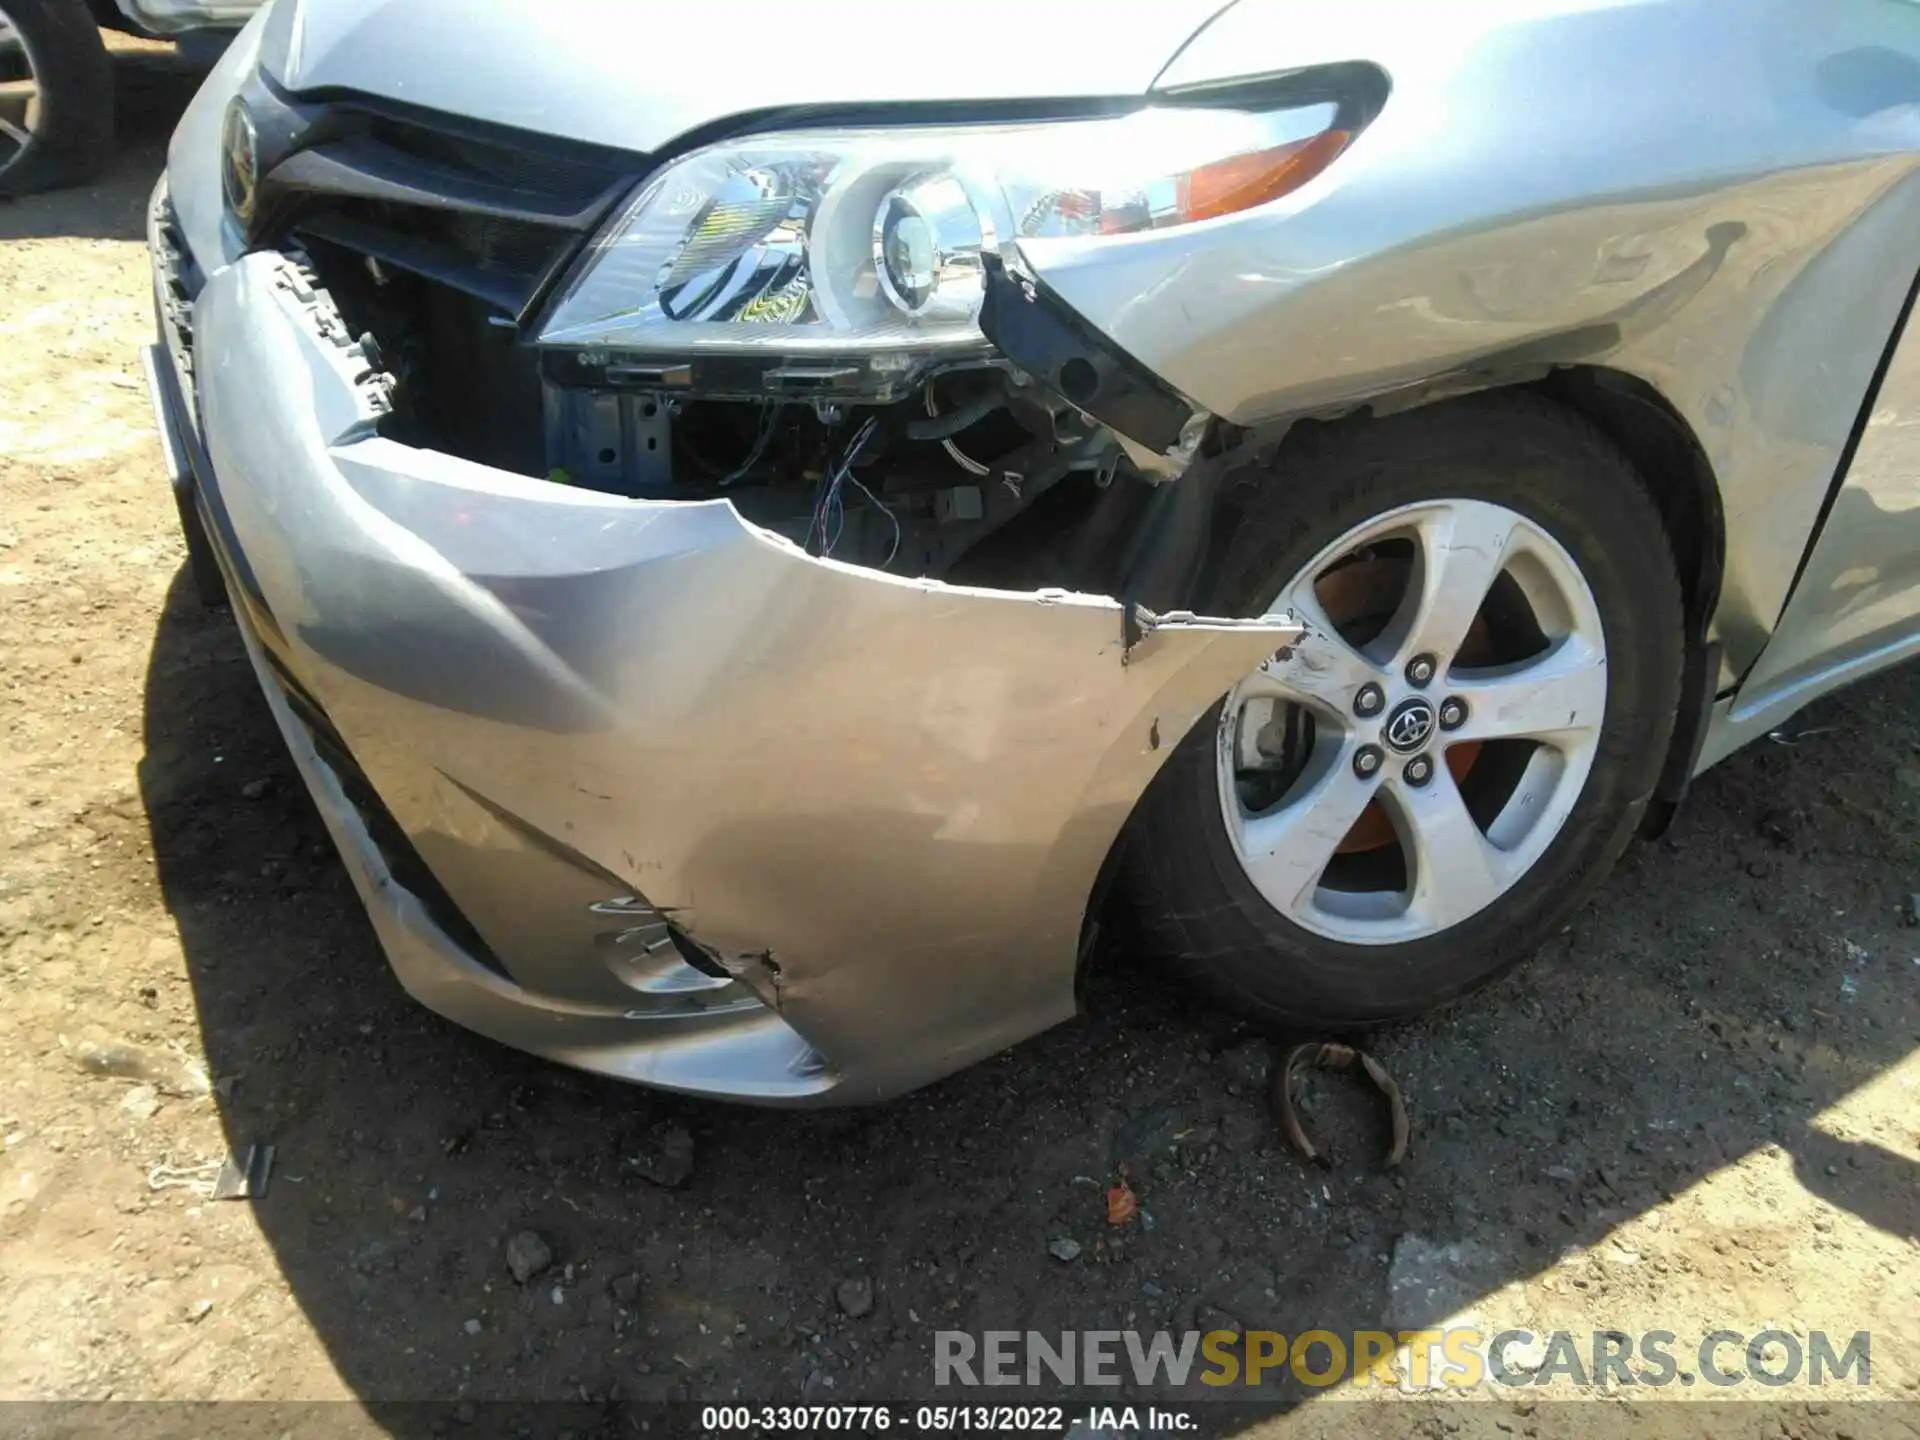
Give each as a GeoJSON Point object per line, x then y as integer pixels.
{"type": "Point", "coordinates": [14, 133]}
{"type": "Point", "coordinates": [1561, 694]}
{"type": "Point", "coordinates": [1323, 668]}
{"type": "Point", "coordinates": [1463, 548]}
{"type": "Point", "coordinates": [1286, 849]}
{"type": "Point", "coordinates": [1457, 872]}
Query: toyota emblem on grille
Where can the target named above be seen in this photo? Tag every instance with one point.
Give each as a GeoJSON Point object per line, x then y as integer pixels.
{"type": "Point", "coordinates": [1410, 726]}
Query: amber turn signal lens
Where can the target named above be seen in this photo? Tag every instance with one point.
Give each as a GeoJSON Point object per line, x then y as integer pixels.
{"type": "Point", "coordinates": [1227, 187]}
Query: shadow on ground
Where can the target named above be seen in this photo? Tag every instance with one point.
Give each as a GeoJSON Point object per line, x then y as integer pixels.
{"type": "Point", "coordinates": [1705, 1005]}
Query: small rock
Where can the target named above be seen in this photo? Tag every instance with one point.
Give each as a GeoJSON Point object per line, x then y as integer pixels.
{"type": "Point", "coordinates": [418, 1215]}
{"type": "Point", "coordinates": [254, 789]}
{"type": "Point", "coordinates": [465, 1412]}
{"type": "Point", "coordinates": [198, 1311]}
{"type": "Point", "coordinates": [1911, 911]}
{"type": "Point", "coordinates": [625, 1288]}
{"type": "Point", "coordinates": [1564, 1174]}
{"type": "Point", "coordinates": [666, 1159]}
{"type": "Point", "coordinates": [855, 1297]}
{"type": "Point", "coordinates": [170, 1074]}
{"type": "Point", "coordinates": [559, 1296]}
{"type": "Point", "coordinates": [142, 1102]}
{"type": "Point", "coordinates": [472, 1327]}
{"type": "Point", "coordinates": [1064, 1249]}
{"type": "Point", "coordinates": [527, 1255]}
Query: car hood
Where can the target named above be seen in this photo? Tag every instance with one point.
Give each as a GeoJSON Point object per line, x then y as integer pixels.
{"type": "Point", "coordinates": [635, 76]}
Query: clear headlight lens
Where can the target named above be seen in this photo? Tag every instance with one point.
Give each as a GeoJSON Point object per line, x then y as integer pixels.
{"type": "Point", "coordinates": [870, 243]}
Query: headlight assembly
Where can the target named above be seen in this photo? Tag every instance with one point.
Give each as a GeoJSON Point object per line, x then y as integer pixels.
{"type": "Point", "coordinates": [850, 262]}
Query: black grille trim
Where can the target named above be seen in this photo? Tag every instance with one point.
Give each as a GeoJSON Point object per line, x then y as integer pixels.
{"type": "Point", "coordinates": [496, 214]}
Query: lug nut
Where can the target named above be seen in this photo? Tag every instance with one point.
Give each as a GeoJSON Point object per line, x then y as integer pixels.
{"type": "Point", "coordinates": [1367, 761]}
{"type": "Point", "coordinates": [1420, 669]}
{"type": "Point", "coordinates": [1369, 701]}
{"type": "Point", "coordinates": [1453, 713]}
{"type": "Point", "coordinates": [1418, 771]}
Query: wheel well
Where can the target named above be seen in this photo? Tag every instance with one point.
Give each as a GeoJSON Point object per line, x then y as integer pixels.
{"type": "Point", "coordinates": [1666, 454]}
{"type": "Point", "coordinates": [1664, 451]}
{"type": "Point", "coordinates": [1657, 441]}
{"type": "Point", "coordinates": [1679, 477]}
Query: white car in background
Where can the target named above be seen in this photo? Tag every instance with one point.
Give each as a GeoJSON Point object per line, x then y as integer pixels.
{"type": "Point", "coordinates": [56, 82]}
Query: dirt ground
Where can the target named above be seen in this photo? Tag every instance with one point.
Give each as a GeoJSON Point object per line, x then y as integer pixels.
{"type": "Point", "coordinates": [1695, 1110]}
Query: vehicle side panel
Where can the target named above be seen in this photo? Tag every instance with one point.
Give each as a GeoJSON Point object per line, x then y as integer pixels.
{"type": "Point", "coordinates": [1856, 608]}
{"type": "Point", "coordinates": [1717, 198]}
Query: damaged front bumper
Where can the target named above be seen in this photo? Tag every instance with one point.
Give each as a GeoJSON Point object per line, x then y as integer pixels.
{"type": "Point", "coordinates": [642, 787]}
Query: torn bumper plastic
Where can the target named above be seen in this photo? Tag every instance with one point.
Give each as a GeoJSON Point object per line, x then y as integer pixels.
{"type": "Point", "coordinates": [641, 787]}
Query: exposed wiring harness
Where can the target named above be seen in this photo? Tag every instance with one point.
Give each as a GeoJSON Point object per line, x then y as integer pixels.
{"type": "Point", "coordinates": [769, 422]}
{"type": "Point", "coordinates": [829, 510]}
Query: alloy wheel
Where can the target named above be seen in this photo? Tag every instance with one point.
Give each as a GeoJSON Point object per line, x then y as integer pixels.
{"type": "Point", "coordinates": [1425, 741]}
{"type": "Point", "coordinates": [20, 108]}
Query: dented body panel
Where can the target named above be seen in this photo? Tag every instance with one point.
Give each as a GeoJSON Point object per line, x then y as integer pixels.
{"type": "Point", "coordinates": [879, 805]}
{"type": "Point", "coordinates": [1717, 199]}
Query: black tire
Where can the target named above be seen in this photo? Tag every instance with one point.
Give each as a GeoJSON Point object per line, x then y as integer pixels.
{"type": "Point", "coordinates": [1195, 903]}
{"type": "Point", "coordinates": [74, 133]}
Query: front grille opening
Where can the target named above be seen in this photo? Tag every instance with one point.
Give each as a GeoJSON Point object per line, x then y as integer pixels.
{"type": "Point", "coordinates": [435, 235]}
{"type": "Point", "coordinates": [465, 385]}
{"type": "Point", "coordinates": [439, 238]}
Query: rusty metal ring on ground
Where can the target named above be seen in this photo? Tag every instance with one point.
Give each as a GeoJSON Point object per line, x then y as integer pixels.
{"type": "Point", "coordinates": [1335, 1057]}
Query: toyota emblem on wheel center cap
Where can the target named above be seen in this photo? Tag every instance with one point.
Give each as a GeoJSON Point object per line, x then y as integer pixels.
{"type": "Point", "coordinates": [1410, 725]}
